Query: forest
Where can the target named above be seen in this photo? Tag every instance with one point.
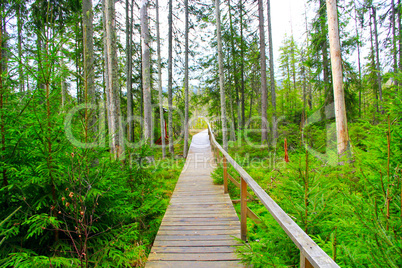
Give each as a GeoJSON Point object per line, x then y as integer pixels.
{"type": "Point", "coordinates": [98, 97]}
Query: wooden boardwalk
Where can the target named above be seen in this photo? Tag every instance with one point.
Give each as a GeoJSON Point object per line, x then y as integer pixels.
{"type": "Point", "coordinates": [200, 223]}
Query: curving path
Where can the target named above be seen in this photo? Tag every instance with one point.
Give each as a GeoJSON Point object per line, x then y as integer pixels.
{"type": "Point", "coordinates": [200, 224]}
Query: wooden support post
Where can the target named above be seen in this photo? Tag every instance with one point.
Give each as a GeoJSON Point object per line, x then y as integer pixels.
{"type": "Point", "coordinates": [225, 175]}
{"type": "Point", "coordinates": [304, 263]}
{"type": "Point", "coordinates": [243, 205]}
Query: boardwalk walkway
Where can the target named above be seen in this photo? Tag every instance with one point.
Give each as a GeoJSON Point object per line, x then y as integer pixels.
{"type": "Point", "coordinates": [200, 223]}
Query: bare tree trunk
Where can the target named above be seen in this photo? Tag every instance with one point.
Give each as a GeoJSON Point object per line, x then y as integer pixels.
{"type": "Point", "coordinates": [232, 136]}
{"type": "Point", "coordinates": [251, 98]}
{"type": "Point", "coordinates": [236, 80]}
{"type": "Point", "coordinates": [129, 70]}
{"type": "Point", "coordinates": [89, 75]}
{"type": "Point", "coordinates": [221, 75]}
{"type": "Point", "coordinates": [336, 61]}
{"type": "Point", "coordinates": [146, 72]}
{"type": "Point", "coordinates": [19, 44]}
{"type": "Point", "coordinates": [394, 50]}
{"type": "Point", "coordinates": [264, 94]}
{"type": "Point", "coordinates": [186, 82]}
{"type": "Point", "coordinates": [310, 95]}
{"type": "Point", "coordinates": [373, 63]}
{"type": "Point", "coordinates": [304, 88]}
{"type": "Point", "coordinates": [400, 36]}
{"type": "Point", "coordinates": [106, 76]}
{"type": "Point", "coordinates": [377, 53]}
{"type": "Point", "coordinates": [162, 121]}
{"type": "Point", "coordinates": [272, 76]}
{"type": "Point", "coordinates": [63, 83]}
{"type": "Point", "coordinates": [2, 109]}
{"type": "Point", "coordinates": [329, 98]}
{"type": "Point", "coordinates": [243, 117]}
{"type": "Point", "coordinates": [358, 59]}
{"type": "Point", "coordinates": [170, 78]}
{"type": "Point", "coordinates": [115, 129]}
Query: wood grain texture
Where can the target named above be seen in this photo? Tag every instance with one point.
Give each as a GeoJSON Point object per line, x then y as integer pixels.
{"type": "Point", "coordinates": [200, 225]}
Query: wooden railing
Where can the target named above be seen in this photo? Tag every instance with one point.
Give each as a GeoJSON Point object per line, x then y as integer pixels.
{"type": "Point", "coordinates": [311, 255]}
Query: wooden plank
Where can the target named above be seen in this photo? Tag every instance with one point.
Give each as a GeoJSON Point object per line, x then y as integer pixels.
{"type": "Point", "coordinates": [195, 203]}
{"type": "Point", "coordinates": [197, 243]}
{"type": "Point", "coordinates": [193, 257]}
{"type": "Point", "coordinates": [200, 210]}
{"type": "Point", "coordinates": [194, 237]}
{"type": "Point", "coordinates": [221, 249]}
{"type": "Point", "coordinates": [243, 214]}
{"type": "Point", "coordinates": [253, 216]}
{"type": "Point", "coordinates": [200, 227]}
{"type": "Point", "coordinates": [205, 219]}
{"type": "Point", "coordinates": [199, 223]}
{"type": "Point", "coordinates": [192, 264]}
{"type": "Point", "coordinates": [199, 215]}
{"type": "Point", "coordinates": [194, 199]}
{"type": "Point", "coordinates": [198, 232]}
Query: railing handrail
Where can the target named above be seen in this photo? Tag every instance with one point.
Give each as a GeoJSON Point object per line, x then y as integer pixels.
{"type": "Point", "coordinates": [308, 248]}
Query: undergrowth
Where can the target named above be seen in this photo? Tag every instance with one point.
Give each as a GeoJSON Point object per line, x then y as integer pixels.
{"type": "Point", "coordinates": [352, 211]}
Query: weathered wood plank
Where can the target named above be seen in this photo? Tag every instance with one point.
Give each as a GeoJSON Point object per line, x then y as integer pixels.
{"type": "Point", "coordinates": [221, 249]}
{"type": "Point", "coordinates": [195, 237]}
{"type": "Point", "coordinates": [198, 232]}
{"type": "Point", "coordinates": [192, 264]}
{"type": "Point", "coordinates": [193, 257]}
{"type": "Point", "coordinates": [197, 243]}
{"type": "Point", "coordinates": [200, 227]}
{"type": "Point", "coordinates": [204, 219]}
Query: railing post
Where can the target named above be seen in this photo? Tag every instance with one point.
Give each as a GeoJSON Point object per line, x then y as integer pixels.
{"type": "Point", "coordinates": [243, 208]}
{"type": "Point", "coordinates": [304, 263]}
{"type": "Point", "coordinates": [225, 175]}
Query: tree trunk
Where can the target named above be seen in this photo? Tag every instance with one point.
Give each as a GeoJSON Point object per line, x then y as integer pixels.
{"type": "Point", "coordinates": [236, 80]}
{"type": "Point", "coordinates": [170, 78]}
{"type": "Point", "coordinates": [19, 44]}
{"type": "Point", "coordinates": [158, 44]}
{"type": "Point", "coordinates": [394, 51]}
{"type": "Point", "coordinates": [89, 75]}
{"type": "Point", "coordinates": [336, 61]}
{"type": "Point", "coordinates": [146, 72]}
{"type": "Point", "coordinates": [272, 76]}
{"type": "Point", "coordinates": [358, 60]}
{"type": "Point", "coordinates": [186, 81]}
{"type": "Point", "coordinates": [2, 110]}
{"type": "Point", "coordinates": [310, 95]}
{"type": "Point", "coordinates": [115, 129]}
{"type": "Point", "coordinates": [129, 85]}
{"type": "Point", "coordinates": [264, 97]}
{"type": "Point", "coordinates": [106, 76]}
{"type": "Point", "coordinates": [304, 88]}
{"type": "Point", "coordinates": [377, 53]}
{"type": "Point", "coordinates": [232, 136]}
{"type": "Point", "coordinates": [400, 35]}
{"type": "Point", "coordinates": [243, 117]}
{"type": "Point", "coordinates": [221, 75]}
{"type": "Point", "coordinates": [329, 97]}
{"type": "Point", "coordinates": [373, 63]}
